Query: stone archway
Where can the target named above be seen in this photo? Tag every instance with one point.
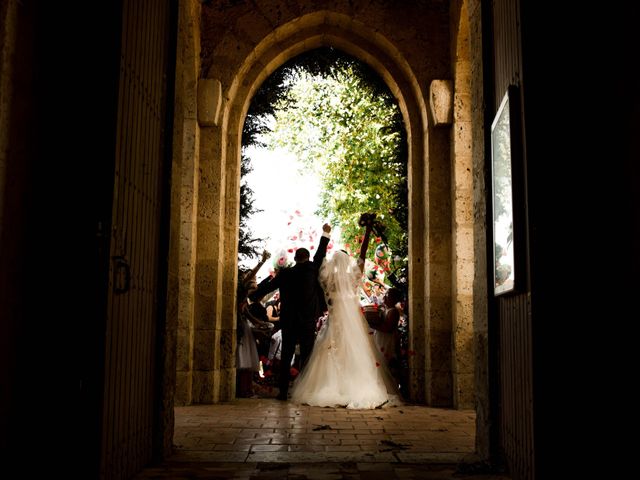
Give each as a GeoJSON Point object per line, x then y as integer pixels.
{"type": "Point", "coordinates": [275, 50]}
{"type": "Point", "coordinates": [240, 48]}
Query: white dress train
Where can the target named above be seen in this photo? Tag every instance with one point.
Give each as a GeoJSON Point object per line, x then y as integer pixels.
{"type": "Point", "coordinates": [345, 368]}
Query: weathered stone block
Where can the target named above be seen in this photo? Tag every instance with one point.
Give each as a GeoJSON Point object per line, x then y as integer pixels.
{"type": "Point", "coordinates": [462, 107]}
{"type": "Point", "coordinates": [227, 346]}
{"type": "Point", "coordinates": [184, 385]}
{"type": "Point", "coordinates": [440, 210]}
{"type": "Point", "coordinates": [189, 97]}
{"type": "Point", "coordinates": [463, 138]}
{"type": "Point", "coordinates": [209, 101]}
{"type": "Point", "coordinates": [463, 313]}
{"type": "Point", "coordinates": [465, 277]}
{"type": "Point", "coordinates": [439, 389]}
{"type": "Point", "coordinates": [191, 155]}
{"type": "Point", "coordinates": [186, 302]}
{"type": "Point", "coordinates": [440, 314]}
{"type": "Point", "coordinates": [208, 205]}
{"type": "Point", "coordinates": [464, 259]}
{"type": "Point", "coordinates": [463, 78]}
{"type": "Point", "coordinates": [212, 172]}
{"type": "Point", "coordinates": [184, 350]}
{"type": "Point", "coordinates": [203, 384]}
{"type": "Point", "coordinates": [205, 278]}
{"type": "Point", "coordinates": [441, 102]}
{"type": "Point", "coordinates": [254, 26]}
{"type": "Point", "coordinates": [439, 352]}
{"type": "Point", "coordinates": [440, 279]}
{"type": "Point", "coordinates": [462, 171]}
{"type": "Point", "coordinates": [464, 388]}
{"type": "Point", "coordinates": [204, 314]}
{"type": "Point", "coordinates": [227, 384]}
{"type": "Point", "coordinates": [463, 208]}
{"type": "Point", "coordinates": [215, 385]}
{"type": "Point", "coordinates": [216, 354]}
{"type": "Point", "coordinates": [417, 381]}
{"type": "Point", "coordinates": [439, 247]}
{"type": "Point", "coordinates": [464, 358]}
{"type": "Point", "coordinates": [173, 289]}
{"type": "Point", "coordinates": [203, 346]}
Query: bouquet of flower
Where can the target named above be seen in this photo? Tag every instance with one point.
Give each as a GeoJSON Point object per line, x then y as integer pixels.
{"type": "Point", "coordinates": [369, 219]}
{"type": "Point", "coordinates": [281, 260]}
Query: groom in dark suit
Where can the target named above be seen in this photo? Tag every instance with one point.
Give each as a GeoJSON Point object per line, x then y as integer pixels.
{"type": "Point", "coordinates": [301, 303]}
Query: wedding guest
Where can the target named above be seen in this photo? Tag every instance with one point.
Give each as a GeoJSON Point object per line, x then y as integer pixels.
{"type": "Point", "coordinates": [273, 307]}
{"type": "Point", "coordinates": [247, 357]}
{"type": "Point", "coordinates": [385, 333]}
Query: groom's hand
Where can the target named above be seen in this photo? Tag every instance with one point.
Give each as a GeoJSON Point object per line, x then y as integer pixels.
{"type": "Point", "coordinates": [326, 228]}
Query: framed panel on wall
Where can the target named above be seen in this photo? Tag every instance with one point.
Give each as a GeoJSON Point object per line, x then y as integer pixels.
{"type": "Point", "coordinates": [506, 158]}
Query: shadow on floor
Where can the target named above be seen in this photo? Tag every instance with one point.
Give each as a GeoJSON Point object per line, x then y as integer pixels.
{"type": "Point", "coordinates": [267, 438]}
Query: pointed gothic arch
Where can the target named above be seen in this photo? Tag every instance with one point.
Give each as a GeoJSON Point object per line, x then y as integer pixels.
{"type": "Point", "coordinates": [354, 39]}
{"type": "Point", "coordinates": [237, 66]}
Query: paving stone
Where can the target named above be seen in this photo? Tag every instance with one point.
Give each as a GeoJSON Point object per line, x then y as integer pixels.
{"type": "Point", "coordinates": [253, 439]}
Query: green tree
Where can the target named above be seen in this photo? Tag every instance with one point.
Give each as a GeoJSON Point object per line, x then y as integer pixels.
{"type": "Point", "coordinates": [344, 122]}
{"type": "Point", "coordinates": [349, 131]}
{"type": "Point", "coordinates": [247, 244]}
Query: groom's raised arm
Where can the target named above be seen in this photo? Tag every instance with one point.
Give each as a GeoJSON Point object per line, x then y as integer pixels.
{"type": "Point", "coordinates": [322, 246]}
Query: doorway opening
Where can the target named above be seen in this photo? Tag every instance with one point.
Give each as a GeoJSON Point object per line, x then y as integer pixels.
{"type": "Point", "coordinates": [442, 164]}
{"type": "Point", "coordinates": [323, 142]}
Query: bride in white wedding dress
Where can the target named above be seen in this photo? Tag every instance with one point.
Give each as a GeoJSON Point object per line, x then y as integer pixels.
{"type": "Point", "coordinates": [345, 368]}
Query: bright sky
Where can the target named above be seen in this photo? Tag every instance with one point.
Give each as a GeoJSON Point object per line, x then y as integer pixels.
{"type": "Point", "coordinates": [288, 198]}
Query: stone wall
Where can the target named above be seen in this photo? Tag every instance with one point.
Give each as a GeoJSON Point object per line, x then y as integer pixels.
{"type": "Point", "coordinates": [184, 198]}
{"type": "Point", "coordinates": [410, 47]}
{"type": "Point", "coordinates": [462, 260]}
{"type": "Point", "coordinates": [472, 10]}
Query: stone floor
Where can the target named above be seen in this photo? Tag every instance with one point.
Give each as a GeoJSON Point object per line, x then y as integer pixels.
{"type": "Point", "coordinates": [267, 438]}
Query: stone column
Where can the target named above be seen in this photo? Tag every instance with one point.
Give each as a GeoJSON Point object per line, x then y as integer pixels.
{"type": "Point", "coordinates": [185, 197]}
{"type": "Point", "coordinates": [462, 232]}
{"type": "Point", "coordinates": [438, 285]}
{"type": "Point", "coordinates": [417, 268]}
{"type": "Point", "coordinates": [230, 227]}
{"type": "Point", "coordinates": [484, 422]}
{"type": "Point", "coordinates": [207, 320]}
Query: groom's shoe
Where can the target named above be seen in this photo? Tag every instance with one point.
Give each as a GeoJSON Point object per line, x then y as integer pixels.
{"type": "Point", "coordinates": [282, 396]}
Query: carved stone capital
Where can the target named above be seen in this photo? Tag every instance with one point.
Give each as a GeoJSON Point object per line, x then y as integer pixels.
{"type": "Point", "coordinates": [441, 102]}
{"type": "Point", "coordinates": [209, 102]}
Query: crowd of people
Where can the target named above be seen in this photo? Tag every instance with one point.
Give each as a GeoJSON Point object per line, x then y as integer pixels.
{"type": "Point", "coordinates": [330, 328]}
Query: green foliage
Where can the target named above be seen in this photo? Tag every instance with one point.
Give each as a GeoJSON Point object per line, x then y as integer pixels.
{"type": "Point", "coordinates": [340, 118]}
{"type": "Point", "coordinates": [247, 245]}
{"type": "Point", "coordinates": [349, 131]}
